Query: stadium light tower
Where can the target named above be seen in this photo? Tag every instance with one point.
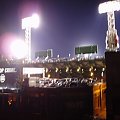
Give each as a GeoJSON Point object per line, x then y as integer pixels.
{"type": "Point", "coordinates": [27, 24]}
{"type": "Point", "coordinates": [112, 41]}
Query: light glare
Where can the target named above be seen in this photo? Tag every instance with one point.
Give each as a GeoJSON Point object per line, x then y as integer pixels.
{"type": "Point", "coordinates": [18, 49]}
{"type": "Point", "coordinates": [35, 21]}
{"type": "Point", "coordinates": [29, 22]}
{"type": "Point", "coordinates": [109, 6]}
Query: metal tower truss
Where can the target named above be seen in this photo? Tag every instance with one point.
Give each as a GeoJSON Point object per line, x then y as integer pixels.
{"type": "Point", "coordinates": [112, 41]}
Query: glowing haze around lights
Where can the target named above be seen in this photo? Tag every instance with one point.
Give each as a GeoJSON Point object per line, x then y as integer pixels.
{"type": "Point", "coordinates": [18, 49]}
{"type": "Point", "coordinates": [109, 6]}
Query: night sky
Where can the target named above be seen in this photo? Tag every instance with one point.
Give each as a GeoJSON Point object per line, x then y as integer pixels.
{"type": "Point", "coordinates": [65, 24]}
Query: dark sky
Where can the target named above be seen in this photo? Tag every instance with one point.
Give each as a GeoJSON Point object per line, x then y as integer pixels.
{"type": "Point", "coordinates": [65, 24]}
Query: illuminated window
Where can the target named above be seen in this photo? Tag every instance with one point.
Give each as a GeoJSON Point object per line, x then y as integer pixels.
{"type": "Point", "coordinates": [82, 70]}
{"type": "Point", "coordinates": [91, 74]}
{"type": "Point", "coordinates": [102, 73]}
{"type": "Point", "coordinates": [49, 75]}
{"type": "Point", "coordinates": [103, 69]}
{"type": "Point", "coordinates": [91, 68]}
{"type": "Point", "coordinates": [78, 69]}
{"type": "Point", "coordinates": [56, 70]}
{"type": "Point", "coordinates": [67, 69]}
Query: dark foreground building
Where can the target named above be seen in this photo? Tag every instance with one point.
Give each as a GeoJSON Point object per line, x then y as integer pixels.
{"type": "Point", "coordinates": [48, 104]}
{"type": "Point", "coordinates": [113, 85]}
{"type": "Point", "coordinates": [82, 103]}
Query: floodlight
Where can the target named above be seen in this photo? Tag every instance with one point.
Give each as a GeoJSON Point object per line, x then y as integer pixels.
{"type": "Point", "coordinates": [25, 22]}
{"type": "Point", "coordinates": [30, 22]}
{"type": "Point", "coordinates": [18, 49]}
{"type": "Point", "coordinates": [35, 21]}
{"type": "Point", "coordinates": [109, 6]}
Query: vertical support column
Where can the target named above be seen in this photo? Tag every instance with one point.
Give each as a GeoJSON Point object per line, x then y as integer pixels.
{"type": "Point", "coordinates": [28, 42]}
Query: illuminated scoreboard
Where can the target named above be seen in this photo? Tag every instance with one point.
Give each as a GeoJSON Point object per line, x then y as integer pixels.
{"type": "Point", "coordinates": [9, 76]}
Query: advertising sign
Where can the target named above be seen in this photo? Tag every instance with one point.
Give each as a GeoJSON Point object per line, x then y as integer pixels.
{"type": "Point", "coordinates": [9, 76]}
{"type": "Point", "coordinates": [86, 49]}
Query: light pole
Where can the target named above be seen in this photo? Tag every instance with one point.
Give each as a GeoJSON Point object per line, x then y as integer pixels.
{"type": "Point", "coordinates": [27, 24]}
{"type": "Point", "coordinates": [112, 42]}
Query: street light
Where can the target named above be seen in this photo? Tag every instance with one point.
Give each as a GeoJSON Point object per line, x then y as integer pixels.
{"type": "Point", "coordinates": [27, 24]}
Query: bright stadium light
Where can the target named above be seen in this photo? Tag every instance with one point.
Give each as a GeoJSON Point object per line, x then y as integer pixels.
{"type": "Point", "coordinates": [30, 22]}
{"type": "Point", "coordinates": [109, 6]}
{"type": "Point", "coordinates": [27, 24]}
{"type": "Point", "coordinates": [35, 21]}
{"type": "Point", "coordinates": [18, 49]}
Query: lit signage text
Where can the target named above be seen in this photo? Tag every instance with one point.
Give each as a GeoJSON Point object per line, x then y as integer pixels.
{"type": "Point", "coordinates": [7, 70]}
